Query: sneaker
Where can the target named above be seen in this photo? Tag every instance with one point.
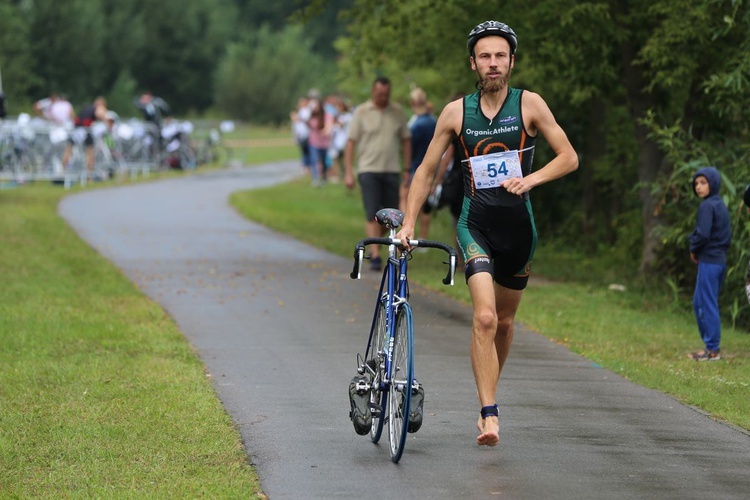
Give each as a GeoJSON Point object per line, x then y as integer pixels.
{"type": "Point", "coordinates": [359, 398]}
{"type": "Point", "coordinates": [376, 264]}
{"type": "Point", "coordinates": [416, 412]}
{"type": "Point", "coordinates": [706, 355]}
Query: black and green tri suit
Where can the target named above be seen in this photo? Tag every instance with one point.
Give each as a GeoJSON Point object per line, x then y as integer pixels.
{"type": "Point", "coordinates": [496, 231]}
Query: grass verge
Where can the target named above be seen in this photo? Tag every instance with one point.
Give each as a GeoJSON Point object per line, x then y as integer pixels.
{"type": "Point", "coordinates": [637, 333]}
{"type": "Point", "coordinates": [251, 145]}
{"type": "Point", "coordinates": [101, 396]}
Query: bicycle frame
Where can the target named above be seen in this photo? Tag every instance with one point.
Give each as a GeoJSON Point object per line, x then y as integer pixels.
{"type": "Point", "coordinates": [394, 291]}
{"type": "Point", "coordinates": [391, 368]}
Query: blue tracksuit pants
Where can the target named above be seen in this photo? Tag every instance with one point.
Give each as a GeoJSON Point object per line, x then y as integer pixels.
{"type": "Point", "coordinates": [706, 302]}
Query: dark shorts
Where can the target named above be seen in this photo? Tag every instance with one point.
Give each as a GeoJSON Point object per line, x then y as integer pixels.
{"type": "Point", "coordinates": [88, 139]}
{"type": "Point", "coordinates": [378, 191]}
{"type": "Point", "coordinates": [500, 241]}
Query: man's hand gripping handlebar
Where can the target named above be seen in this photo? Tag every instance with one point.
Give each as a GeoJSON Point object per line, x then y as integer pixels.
{"type": "Point", "coordinates": [359, 254]}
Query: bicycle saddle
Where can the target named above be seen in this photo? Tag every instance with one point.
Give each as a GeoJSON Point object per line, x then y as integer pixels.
{"type": "Point", "coordinates": [390, 217]}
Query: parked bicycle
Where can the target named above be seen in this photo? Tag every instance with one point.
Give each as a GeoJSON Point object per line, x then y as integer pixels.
{"type": "Point", "coordinates": [212, 148]}
{"type": "Point", "coordinates": [385, 386]}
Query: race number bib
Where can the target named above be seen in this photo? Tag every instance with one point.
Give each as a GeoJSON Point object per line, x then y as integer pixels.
{"type": "Point", "coordinates": [491, 170]}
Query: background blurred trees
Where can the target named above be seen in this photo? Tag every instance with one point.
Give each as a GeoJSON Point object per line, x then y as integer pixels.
{"type": "Point", "coordinates": [181, 50]}
{"type": "Point", "coordinates": [264, 74]}
{"type": "Point", "coordinates": [647, 90]}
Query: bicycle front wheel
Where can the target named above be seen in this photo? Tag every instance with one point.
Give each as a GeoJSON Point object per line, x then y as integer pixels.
{"type": "Point", "coordinates": [402, 378]}
{"type": "Point", "coordinates": [378, 397]}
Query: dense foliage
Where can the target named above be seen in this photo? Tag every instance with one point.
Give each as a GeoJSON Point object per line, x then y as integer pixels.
{"type": "Point", "coordinates": [188, 52]}
{"type": "Point", "coordinates": [647, 90]}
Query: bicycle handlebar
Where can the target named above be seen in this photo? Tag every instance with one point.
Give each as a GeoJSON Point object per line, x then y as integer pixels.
{"type": "Point", "coordinates": [359, 254]}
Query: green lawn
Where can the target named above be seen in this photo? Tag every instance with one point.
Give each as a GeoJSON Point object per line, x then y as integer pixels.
{"type": "Point", "coordinates": [100, 393]}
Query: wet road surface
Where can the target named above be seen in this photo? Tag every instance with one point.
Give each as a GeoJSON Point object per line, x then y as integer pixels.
{"type": "Point", "coordinates": [278, 324]}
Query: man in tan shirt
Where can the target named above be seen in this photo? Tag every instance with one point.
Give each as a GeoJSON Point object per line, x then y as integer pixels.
{"type": "Point", "coordinates": [378, 130]}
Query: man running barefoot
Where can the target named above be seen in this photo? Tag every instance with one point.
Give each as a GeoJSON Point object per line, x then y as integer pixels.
{"type": "Point", "coordinates": [496, 129]}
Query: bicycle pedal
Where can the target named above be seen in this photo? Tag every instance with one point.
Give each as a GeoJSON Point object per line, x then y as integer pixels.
{"type": "Point", "coordinates": [362, 387]}
{"type": "Point", "coordinates": [375, 410]}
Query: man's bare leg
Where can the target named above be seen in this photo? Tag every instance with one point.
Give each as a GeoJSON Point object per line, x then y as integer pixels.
{"type": "Point", "coordinates": [66, 155]}
{"type": "Point", "coordinates": [90, 158]}
{"type": "Point", "coordinates": [492, 333]}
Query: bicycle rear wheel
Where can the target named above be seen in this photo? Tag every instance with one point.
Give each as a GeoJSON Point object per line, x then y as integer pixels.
{"type": "Point", "coordinates": [402, 378]}
{"type": "Point", "coordinates": [378, 397]}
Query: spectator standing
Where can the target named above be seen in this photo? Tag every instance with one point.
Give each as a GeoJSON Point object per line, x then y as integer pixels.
{"type": "Point", "coordinates": [96, 111]}
{"type": "Point", "coordinates": [377, 132]}
{"type": "Point", "coordinates": [155, 111]}
{"type": "Point", "coordinates": [321, 129]}
{"type": "Point", "coordinates": [422, 128]}
{"type": "Point", "coordinates": [342, 117]}
{"type": "Point", "coordinates": [61, 111]}
{"type": "Point", "coordinates": [301, 130]}
{"type": "Point", "coordinates": [709, 243]}
{"type": "Point", "coordinates": [57, 109]}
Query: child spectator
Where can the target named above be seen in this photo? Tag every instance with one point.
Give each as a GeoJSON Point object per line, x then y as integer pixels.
{"type": "Point", "coordinates": [708, 248]}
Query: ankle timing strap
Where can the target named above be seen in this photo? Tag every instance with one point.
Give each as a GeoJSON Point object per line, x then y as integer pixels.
{"type": "Point", "coordinates": [489, 411]}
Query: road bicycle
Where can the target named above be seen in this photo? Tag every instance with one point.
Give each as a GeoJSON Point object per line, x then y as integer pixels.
{"type": "Point", "coordinates": [382, 393]}
{"type": "Point", "coordinates": [212, 149]}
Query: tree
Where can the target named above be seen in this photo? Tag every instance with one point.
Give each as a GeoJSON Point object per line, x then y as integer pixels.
{"type": "Point", "coordinates": [65, 40]}
{"type": "Point", "coordinates": [15, 58]}
{"type": "Point", "coordinates": [263, 76]}
{"type": "Point", "coordinates": [183, 44]}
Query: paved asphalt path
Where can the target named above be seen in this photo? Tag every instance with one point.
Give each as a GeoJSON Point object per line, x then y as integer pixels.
{"type": "Point", "coordinates": [277, 324]}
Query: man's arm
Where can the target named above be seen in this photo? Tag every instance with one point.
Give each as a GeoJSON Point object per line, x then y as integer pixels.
{"type": "Point", "coordinates": [41, 106]}
{"type": "Point", "coordinates": [447, 126]}
{"type": "Point", "coordinates": [352, 134]}
{"type": "Point", "coordinates": [349, 163]}
{"type": "Point", "coordinates": [163, 106]}
{"type": "Point", "coordinates": [565, 161]}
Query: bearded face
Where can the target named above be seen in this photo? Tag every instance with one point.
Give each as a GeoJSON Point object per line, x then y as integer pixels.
{"type": "Point", "coordinates": [493, 63]}
{"type": "Point", "coordinates": [494, 81]}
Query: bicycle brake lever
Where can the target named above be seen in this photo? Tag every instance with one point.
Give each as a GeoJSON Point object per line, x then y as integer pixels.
{"type": "Point", "coordinates": [359, 255]}
{"type": "Point", "coordinates": [448, 280]}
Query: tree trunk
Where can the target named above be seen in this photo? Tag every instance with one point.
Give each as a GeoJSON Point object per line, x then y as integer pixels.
{"type": "Point", "coordinates": [650, 165]}
{"type": "Point", "coordinates": [595, 149]}
{"type": "Point", "coordinates": [651, 161]}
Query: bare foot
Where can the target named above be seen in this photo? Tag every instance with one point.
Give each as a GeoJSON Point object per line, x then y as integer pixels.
{"type": "Point", "coordinates": [490, 431]}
